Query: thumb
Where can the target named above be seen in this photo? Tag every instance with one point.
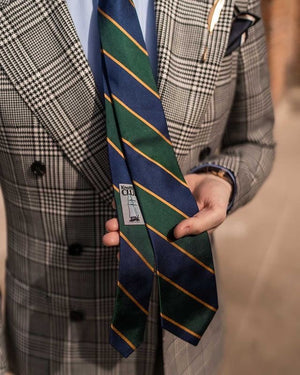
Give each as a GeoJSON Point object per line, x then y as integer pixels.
{"type": "Point", "coordinates": [205, 220]}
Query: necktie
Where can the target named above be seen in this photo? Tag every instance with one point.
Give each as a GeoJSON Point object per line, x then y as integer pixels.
{"type": "Point", "coordinates": [151, 195]}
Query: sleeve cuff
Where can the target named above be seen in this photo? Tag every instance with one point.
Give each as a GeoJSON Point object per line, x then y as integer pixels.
{"type": "Point", "coordinates": [201, 168]}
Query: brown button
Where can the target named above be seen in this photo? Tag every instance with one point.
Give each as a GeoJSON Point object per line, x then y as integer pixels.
{"type": "Point", "coordinates": [38, 168]}
{"type": "Point", "coordinates": [75, 249]}
{"type": "Point", "coordinates": [76, 315]}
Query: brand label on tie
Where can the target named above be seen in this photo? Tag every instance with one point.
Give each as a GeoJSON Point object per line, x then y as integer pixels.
{"type": "Point", "coordinates": [131, 210]}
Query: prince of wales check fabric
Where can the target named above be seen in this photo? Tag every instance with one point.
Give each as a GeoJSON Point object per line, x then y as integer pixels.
{"type": "Point", "coordinates": [145, 171]}
{"type": "Point", "coordinates": [223, 106]}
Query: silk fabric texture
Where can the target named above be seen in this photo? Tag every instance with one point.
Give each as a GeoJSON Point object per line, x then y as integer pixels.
{"type": "Point", "coordinates": [143, 163]}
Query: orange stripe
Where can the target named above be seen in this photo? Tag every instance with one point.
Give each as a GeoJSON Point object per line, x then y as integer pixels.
{"type": "Point", "coordinates": [142, 119]}
{"type": "Point", "coordinates": [181, 249]}
{"type": "Point", "coordinates": [131, 2]}
{"type": "Point", "coordinates": [116, 189]}
{"type": "Point", "coordinates": [180, 326]}
{"type": "Point", "coordinates": [131, 73]}
{"type": "Point", "coordinates": [160, 199]}
{"type": "Point", "coordinates": [123, 31]}
{"type": "Point", "coordinates": [137, 252]}
{"type": "Point", "coordinates": [123, 337]}
{"type": "Point", "coordinates": [115, 147]}
{"type": "Point", "coordinates": [132, 298]}
{"type": "Point", "coordinates": [186, 292]}
{"type": "Point", "coordinates": [154, 162]}
{"type": "Point", "coordinates": [107, 98]}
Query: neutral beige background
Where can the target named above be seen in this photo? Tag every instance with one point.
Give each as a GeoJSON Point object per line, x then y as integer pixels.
{"type": "Point", "coordinates": [259, 257]}
{"type": "Point", "coordinates": [259, 251]}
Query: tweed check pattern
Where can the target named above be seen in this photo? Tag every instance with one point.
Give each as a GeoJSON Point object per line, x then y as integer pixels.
{"type": "Point", "coordinates": [141, 155]}
{"type": "Point", "coordinates": [40, 89]}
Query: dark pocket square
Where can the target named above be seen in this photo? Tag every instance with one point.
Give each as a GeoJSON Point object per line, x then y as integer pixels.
{"type": "Point", "coordinates": [239, 30]}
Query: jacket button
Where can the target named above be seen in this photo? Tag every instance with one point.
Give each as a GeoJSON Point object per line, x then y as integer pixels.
{"type": "Point", "coordinates": [204, 153]}
{"type": "Point", "coordinates": [75, 249]}
{"type": "Point", "coordinates": [76, 315]}
{"type": "Point", "coordinates": [38, 168]}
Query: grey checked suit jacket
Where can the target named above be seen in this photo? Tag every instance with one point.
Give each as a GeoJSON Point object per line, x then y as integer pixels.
{"type": "Point", "coordinates": [58, 305]}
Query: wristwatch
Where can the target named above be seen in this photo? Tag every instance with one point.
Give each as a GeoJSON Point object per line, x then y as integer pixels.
{"type": "Point", "coordinates": [217, 172]}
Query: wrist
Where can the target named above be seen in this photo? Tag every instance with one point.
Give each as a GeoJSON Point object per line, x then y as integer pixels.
{"type": "Point", "coordinates": [224, 181]}
{"type": "Point", "coordinates": [224, 187]}
{"type": "Point", "coordinates": [222, 174]}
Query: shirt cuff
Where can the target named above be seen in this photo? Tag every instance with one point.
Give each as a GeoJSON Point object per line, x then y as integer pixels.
{"type": "Point", "coordinates": [230, 174]}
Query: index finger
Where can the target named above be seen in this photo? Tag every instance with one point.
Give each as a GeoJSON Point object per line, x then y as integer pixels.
{"type": "Point", "coordinates": [112, 225]}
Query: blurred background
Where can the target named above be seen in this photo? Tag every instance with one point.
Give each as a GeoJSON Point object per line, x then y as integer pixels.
{"type": "Point", "coordinates": [258, 247]}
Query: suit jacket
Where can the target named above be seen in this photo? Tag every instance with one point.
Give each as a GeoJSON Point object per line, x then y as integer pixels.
{"type": "Point", "coordinates": [55, 177]}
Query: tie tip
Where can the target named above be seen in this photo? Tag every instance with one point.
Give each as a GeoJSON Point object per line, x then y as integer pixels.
{"type": "Point", "coordinates": [119, 344]}
{"type": "Point", "coordinates": [184, 335]}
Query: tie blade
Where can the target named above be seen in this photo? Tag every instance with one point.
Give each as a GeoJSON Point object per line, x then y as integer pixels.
{"type": "Point", "coordinates": [132, 301]}
{"type": "Point", "coordinates": [120, 343]}
{"type": "Point", "coordinates": [182, 313]}
{"type": "Point", "coordinates": [124, 17]}
{"type": "Point", "coordinates": [181, 332]}
{"type": "Point", "coordinates": [128, 325]}
{"type": "Point", "coordinates": [137, 127]}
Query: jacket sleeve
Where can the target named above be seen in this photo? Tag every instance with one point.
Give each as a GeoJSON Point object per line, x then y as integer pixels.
{"type": "Point", "coordinates": [3, 353]}
{"type": "Point", "coordinates": [248, 146]}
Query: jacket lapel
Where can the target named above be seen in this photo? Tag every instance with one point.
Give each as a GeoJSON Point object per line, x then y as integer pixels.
{"type": "Point", "coordinates": [56, 81]}
{"type": "Point", "coordinates": [42, 55]}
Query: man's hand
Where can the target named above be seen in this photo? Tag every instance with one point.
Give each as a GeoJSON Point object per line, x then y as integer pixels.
{"type": "Point", "coordinates": [112, 238]}
{"type": "Point", "coordinates": [212, 195]}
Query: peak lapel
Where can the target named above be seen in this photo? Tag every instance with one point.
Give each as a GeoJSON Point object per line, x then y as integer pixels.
{"type": "Point", "coordinates": [187, 82]}
{"type": "Point", "coordinates": [43, 57]}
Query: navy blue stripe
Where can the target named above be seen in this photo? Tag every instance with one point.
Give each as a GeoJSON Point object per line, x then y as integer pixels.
{"type": "Point", "coordinates": [190, 275]}
{"type": "Point", "coordinates": [119, 344]}
{"type": "Point", "coordinates": [140, 100]}
{"type": "Point", "coordinates": [119, 172]}
{"type": "Point", "coordinates": [125, 15]}
{"type": "Point", "coordinates": [179, 332]}
{"type": "Point", "coordinates": [160, 182]}
{"type": "Point", "coordinates": [134, 275]}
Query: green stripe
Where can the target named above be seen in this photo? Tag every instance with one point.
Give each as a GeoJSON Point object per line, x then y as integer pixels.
{"type": "Point", "coordinates": [128, 318]}
{"type": "Point", "coordinates": [161, 217]}
{"type": "Point", "coordinates": [129, 54]}
{"type": "Point", "coordinates": [111, 126]}
{"type": "Point", "coordinates": [184, 309]}
{"type": "Point", "coordinates": [164, 218]}
{"type": "Point", "coordinates": [143, 137]}
{"type": "Point", "coordinates": [136, 234]}
{"type": "Point", "coordinates": [156, 213]}
{"type": "Point", "coordinates": [199, 247]}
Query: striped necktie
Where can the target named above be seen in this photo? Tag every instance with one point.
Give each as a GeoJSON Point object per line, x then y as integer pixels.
{"type": "Point", "coordinates": [151, 195]}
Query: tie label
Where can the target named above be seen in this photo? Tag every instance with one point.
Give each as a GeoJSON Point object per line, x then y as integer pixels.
{"type": "Point", "coordinates": [132, 214]}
